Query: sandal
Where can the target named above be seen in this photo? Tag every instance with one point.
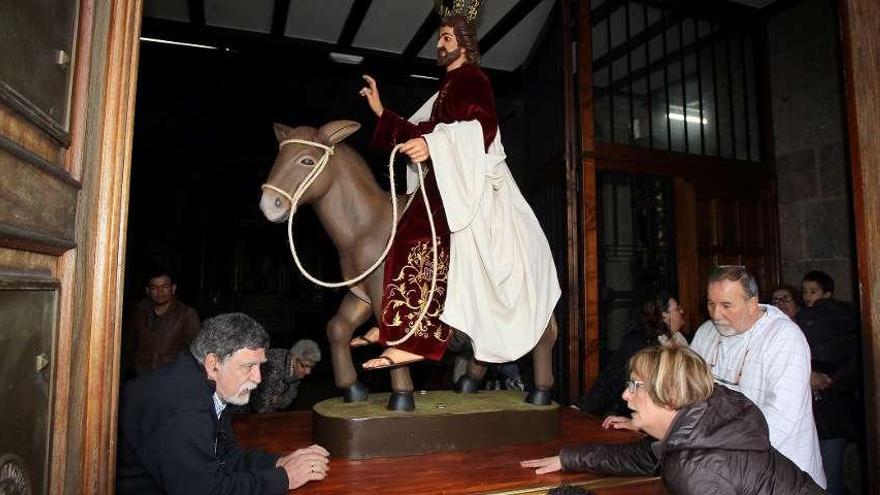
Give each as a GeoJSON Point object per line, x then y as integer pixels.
{"type": "Point", "coordinates": [390, 363]}
{"type": "Point", "coordinates": [364, 340]}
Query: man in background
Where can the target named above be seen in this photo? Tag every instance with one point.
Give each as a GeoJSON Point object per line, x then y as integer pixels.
{"type": "Point", "coordinates": [160, 326]}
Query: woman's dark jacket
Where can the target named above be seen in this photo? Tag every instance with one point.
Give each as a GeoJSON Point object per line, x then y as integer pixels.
{"type": "Point", "coordinates": [718, 446]}
{"type": "Point", "coordinates": [171, 440]}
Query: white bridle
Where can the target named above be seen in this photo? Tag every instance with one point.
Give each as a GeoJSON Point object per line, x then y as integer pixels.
{"type": "Point", "coordinates": [311, 178]}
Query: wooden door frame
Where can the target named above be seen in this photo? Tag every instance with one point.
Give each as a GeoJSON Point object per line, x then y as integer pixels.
{"type": "Point", "coordinates": [584, 352]}
{"type": "Point", "coordinates": [86, 382]}
{"type": "Point", "coordinates": [860, 31]}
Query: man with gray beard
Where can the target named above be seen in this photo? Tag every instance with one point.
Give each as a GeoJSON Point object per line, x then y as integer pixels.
{"type": "Point", "coordinates": [174, 436]}
{"type": "Point", "coordinates": [757, 350]}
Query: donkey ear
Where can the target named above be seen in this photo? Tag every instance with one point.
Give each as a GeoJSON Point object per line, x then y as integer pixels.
{"type": "Point", "coordinates": [281, 131]}
{"type": "Point", "coordinates": [334, 132]}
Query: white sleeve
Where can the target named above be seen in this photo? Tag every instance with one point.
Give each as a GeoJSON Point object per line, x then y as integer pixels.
{"type": "Point", "coordinates": [787, 396]}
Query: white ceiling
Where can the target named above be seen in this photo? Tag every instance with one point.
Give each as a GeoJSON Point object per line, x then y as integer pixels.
{"type": "Point", "coordinates": [317, 20]}
{"type": "Point", "coordinates": [388, 26]}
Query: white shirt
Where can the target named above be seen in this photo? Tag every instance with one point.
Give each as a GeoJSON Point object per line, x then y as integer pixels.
{"type": "Point", "coordinates": [774, 360]}
{"type": "Point", "coordinates": [219, 405]}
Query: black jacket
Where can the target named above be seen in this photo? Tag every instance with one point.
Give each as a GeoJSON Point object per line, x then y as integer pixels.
{"type": "Point", "coordinates": [605, 395]}
{"type": "Point", "coordinates": [171, 440]}
{"type": "Point", "coordinates": [830, 330]}
{"type": "Point", "coordinates": [719, 446]}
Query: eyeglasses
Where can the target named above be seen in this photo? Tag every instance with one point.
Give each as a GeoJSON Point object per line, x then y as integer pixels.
{"type": "Point", "coordinates": [633, 385]}
{"type": "Point", "coordinates": [783, 299]}
{"type": "Point", "coordinates": [738, 376]}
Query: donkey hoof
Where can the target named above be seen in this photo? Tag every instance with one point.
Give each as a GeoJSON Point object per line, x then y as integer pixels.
{"type": "Point", "coordinates": [356, 392]}
{"type": "Point", "coordinates": [401, 401]}
{"type": "Point", "coordinates": [539, 397]}
{"type": "Point", "coordinates": [467, 385]}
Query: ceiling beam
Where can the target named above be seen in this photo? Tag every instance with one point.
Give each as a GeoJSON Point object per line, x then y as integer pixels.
{"type": "Point", "coordinates": [196, 12]}
{"type": "Point", "coordinates": [279, 17]}
{"type": "Point", "coordinates": [260, 44]}
{"type": "Point", "coordinates": [507, 23]}
{"type": "Point", "coordinates": [353, 22]}
{"type": "Point", "coordinates": [420, 39]}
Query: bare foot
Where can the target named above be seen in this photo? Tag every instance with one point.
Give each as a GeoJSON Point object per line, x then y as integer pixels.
{"type": "Point", "coordinates": [391, 358]}
{"type": "Point", "coordinates": [369, 338]}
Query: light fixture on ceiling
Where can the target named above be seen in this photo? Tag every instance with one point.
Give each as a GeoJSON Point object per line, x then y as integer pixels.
{"type": "Point", "coordinates": [178, 43]}
{"type": "Point", "coordinates": [346, 58]}
{"type": "Point", "coordinates": [690, 118]}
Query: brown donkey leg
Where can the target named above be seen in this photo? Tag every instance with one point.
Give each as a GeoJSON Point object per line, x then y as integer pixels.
{"type": "Point", "coordinates": [401, 390]}
{"type": "Point", "coordinates": [469, 383]}
{"type": "Point", "coordinates": [542, 360]}
{"type": "Point", "coordinates": [351, 314]}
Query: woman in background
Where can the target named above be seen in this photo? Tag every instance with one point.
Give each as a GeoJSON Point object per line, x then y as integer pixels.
{"type": "Point", "coordinates": [787, 299]}
{"type": "Point", "coordinates": [660, 321]}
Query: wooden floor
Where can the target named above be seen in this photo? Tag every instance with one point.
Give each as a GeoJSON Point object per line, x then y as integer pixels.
{"type": "Point", "coordinates": [493, 471]}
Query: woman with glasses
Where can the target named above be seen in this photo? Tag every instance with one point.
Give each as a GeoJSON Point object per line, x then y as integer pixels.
{"type": "Point", "coordinates": [704, 439]}
{"type": "Point", "coordinates": [786, 298]}
{"type": "Point", "coordinates": [660, 321]}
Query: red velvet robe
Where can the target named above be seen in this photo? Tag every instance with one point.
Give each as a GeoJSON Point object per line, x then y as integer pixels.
{"type": "Point", "coordinates": [465, 94]}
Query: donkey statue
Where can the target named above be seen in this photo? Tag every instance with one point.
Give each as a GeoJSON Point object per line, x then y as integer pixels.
{"type": "Point", "coordinates": [357, 215]}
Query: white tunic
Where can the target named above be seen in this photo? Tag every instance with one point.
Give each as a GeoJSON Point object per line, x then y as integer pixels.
{"type": "Point", "coordinates": [775, 361]}
{"type": "Point", "coordinates": [502, 284]}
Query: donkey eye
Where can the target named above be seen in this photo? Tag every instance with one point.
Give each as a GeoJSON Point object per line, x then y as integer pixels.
{"type": "Point", "coordinates": [308, 162]}
{"type": "Point", "coordinates": [277, 202]}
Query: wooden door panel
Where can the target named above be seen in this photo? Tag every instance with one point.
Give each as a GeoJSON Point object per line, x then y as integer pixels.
{"type": "Point", "coordinates": [706, 234]}
{"type": "Point", "coordinates": [729, 225]}
{"type": "Point", "coordinates": [734, 231]}
{"type": "Point", "coordinates": [63, 198]}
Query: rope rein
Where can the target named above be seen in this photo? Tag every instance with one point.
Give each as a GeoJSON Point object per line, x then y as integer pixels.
{"type": "Point", "coordinates": [311, 178]}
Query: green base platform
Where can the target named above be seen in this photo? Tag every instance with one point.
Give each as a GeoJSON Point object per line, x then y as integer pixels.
{"type": "Point", "coordinates": [443, 421]}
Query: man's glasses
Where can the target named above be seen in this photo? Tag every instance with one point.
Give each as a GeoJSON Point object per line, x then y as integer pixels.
{"type": "Point", "coordinates": [783, 299]}
{"type": "Point", "coordinates": [738, 376]}
{"type": "Point", "coordinates": [633, 385]}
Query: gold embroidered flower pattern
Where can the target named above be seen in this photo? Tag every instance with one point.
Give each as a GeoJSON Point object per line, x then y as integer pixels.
{"type": "Point", "coordinates": [408, 292]}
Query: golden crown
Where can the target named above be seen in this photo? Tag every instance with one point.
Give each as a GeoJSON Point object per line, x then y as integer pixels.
{"type": "Point", "coordinates": [458, 8]}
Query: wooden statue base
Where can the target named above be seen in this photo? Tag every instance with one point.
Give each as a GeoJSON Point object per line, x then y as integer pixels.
{"type": "Point", "coordinates": [494, 470]}
{"type": "Point", "coordinates": [443, 421]}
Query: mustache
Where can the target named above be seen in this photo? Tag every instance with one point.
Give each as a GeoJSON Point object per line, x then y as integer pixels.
{"type": "Point", "coordinates": [248, 386]}
{"type": "Point", "coordinates": [723, 329]}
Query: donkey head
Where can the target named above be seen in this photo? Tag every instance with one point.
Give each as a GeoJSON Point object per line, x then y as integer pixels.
{"type": "Point", "coordinates": [296, 160]}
